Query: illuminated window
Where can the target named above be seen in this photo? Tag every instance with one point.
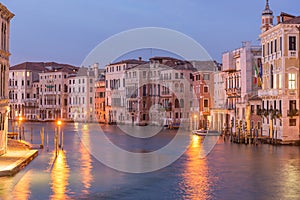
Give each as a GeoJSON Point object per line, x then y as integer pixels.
{"type": "Point", "coordinates": [28, 74]}
{"type": "Point", "coordinates": [292, 81]}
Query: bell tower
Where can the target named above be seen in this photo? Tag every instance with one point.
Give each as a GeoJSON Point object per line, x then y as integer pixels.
{"type": "Point", "coordinates": [267, 18]}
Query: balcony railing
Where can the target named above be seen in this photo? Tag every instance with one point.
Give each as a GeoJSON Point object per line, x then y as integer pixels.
{"type": "Point", "coordinates": [269, 92]}
{"type": "Point", "coordinates": [292, 113]}
{"type": "Point", "coordinates": [292, 54]}
{"type": "Point", "coordinates": [131, 109]}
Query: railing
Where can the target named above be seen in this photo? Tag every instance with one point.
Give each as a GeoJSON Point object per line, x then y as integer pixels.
{"type": "Point", "coordinates": [292, 113]}
{"type": "Point", "coordinates": [292, 54]}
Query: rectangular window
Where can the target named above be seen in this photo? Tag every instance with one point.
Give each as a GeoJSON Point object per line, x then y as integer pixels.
{"type": "Point", "coordinates": [252, 109]}
{"type": "Point", "coordinates": [292, 81]}
{"type": "Point", "coordinates": [293, 122]}
{"type": "Point", "coordinates": [176, 75]}
{"type": "Point", "coordinates": [206, 77]}
{"type": "Point", "coordinates": [292, 104]}
{"type": "Point", "coordinates": [205, 103]}
{"type": "Point", "coordinates": [292, 43]}
{"type": "Point", "coordinates": [275, 45]}
{"type": "Point", "coordinates": [280, 44]}
{"type": "Point", "coordinates": [91, 100]}
{"type": "Point", "coordinates": [271, 47]}
{"type": "Point", "coordinates": [205, 89]}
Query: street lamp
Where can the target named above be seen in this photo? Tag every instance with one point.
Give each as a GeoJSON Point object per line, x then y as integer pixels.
{"type": "Point", "coordinates": [57, 136]}
{"type": "Point", "coordinates": [20, 121]}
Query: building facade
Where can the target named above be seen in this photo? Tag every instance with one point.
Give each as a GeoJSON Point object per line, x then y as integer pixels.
{"type": "Point", "coordinates": [100, 100]}
{"type": "Point", "coordinates": [281, 78]}
{"type": "Point", "coordinates": [220, 117]}
{"type": "Point", "coordinates": [242, 82]}
{"type": "Point", "coordinates": [203, 87]}
{"type": "Point", "coordinates": [81, 107]}
{"type": "Point", "coordinates": [115, 89]}
{"type": "Point", "coordinates": [23, 90]}
{"type": "Point", "coordinates": [5, 17]}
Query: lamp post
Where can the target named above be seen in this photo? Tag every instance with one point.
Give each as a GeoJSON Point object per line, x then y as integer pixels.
{"type": "Point", "coordinates": [19, 124]}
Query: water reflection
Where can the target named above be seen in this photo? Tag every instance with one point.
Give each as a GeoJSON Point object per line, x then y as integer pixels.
{"type": "Point", "coordinates": [59, 176]}
{"type": "Point", "coordinates": [195, 176]}
{"type": "Point", "coordinates": [86, 163]}
{"type": "Point", "coordinates": [22, 188]}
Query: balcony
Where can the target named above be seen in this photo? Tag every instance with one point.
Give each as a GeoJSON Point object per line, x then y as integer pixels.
{"type": "Point", "coordinates": [3, 101]}
{"type": "Point", "coordinates": [292, 113]}
{"type": "Point", "coordinates": [164, 93]}
{"type": "Point", "coordinates": [131, 109]}
{"type": "Point", "coordinates": [233, 91]}
{"type": "Point", "coordinates": [293, 54]}
{"type": "Point", "coordinates": [269, 92]}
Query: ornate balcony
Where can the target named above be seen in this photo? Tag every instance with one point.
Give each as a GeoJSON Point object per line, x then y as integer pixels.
{"type": "Point", "coordinates": [269, 92]}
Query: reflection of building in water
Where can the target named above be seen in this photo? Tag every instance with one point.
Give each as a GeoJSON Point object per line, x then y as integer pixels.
{"type": "Point", "coordinates": [59, 176]}
{"type": "Point", "coordinates": [195, 173]}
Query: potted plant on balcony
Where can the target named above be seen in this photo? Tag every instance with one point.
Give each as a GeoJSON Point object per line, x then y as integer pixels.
{"type": "Point", "coordinates": [293, 112]}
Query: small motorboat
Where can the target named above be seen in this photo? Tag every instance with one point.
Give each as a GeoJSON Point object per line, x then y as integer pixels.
{"type": "Point", "coordinates": [206, 132]}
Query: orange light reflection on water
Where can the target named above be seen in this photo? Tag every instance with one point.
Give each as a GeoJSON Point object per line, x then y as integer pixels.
{"type": "Point", "coordinates": [195, 184]}
{"type": "Point", "coordinates": [22, 189]}
{"type": "Point", "coordinates": [59, 176]}
{"type": "Point", "coordinates": [86, 162]}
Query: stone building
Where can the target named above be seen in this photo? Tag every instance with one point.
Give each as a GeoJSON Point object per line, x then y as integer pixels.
{"type": "Point", "coordinates": [100, 99]}
{"type": "Point", "coordinates": [54, 92]}
{"type": "Point", "coordinates": [115, 89]}
{"type": "Point", "coordinates": [242, 67]}
{"type": "Point", "coordinates": [280, 76]}
{"type": "Point", "coordinates": [81, 94]}
{"type": "Point", "coordinates": [5, 17]}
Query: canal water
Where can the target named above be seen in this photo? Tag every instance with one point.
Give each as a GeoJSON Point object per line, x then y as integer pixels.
{"type": "Point", "coordinates": [230, 171]}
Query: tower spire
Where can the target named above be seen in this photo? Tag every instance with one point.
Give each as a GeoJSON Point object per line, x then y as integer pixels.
{"type": "Point", "coordinates": [267, 5]}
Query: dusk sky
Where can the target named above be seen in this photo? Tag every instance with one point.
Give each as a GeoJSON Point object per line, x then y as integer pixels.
{"type": "Point", "coordinates": [66, 31]}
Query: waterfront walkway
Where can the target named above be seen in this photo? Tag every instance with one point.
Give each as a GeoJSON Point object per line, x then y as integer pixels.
{"type": "Point", "coordinates": [19, 154]}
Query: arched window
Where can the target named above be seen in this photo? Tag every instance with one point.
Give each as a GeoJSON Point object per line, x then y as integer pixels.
{"type": "Point", "coordinates": [176, 103]}
{"type": "Point", "coordinates": [176, 87]}
{"type": "Point", "coordinates": [181, 87]}
{"type": "Point", "coordinates": [181, 103]}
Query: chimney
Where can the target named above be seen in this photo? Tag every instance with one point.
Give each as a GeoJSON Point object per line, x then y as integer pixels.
{"type": "Point", "coordinates": [278, 20]}
{"type": "Point", "coordinates": [140, 58]}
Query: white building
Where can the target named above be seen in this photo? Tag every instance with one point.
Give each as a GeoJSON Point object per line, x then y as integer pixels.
{"type": "Point", "coordinates": [23, 91]}
{"type": "Point", "coordinates": [81, 105]}
{"type": "Point", "coordinates": [241, 81]}
{"type": "Point", "coordinates": [115, 89]}
{"type": "Point", "coordinates": [220, 118]}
